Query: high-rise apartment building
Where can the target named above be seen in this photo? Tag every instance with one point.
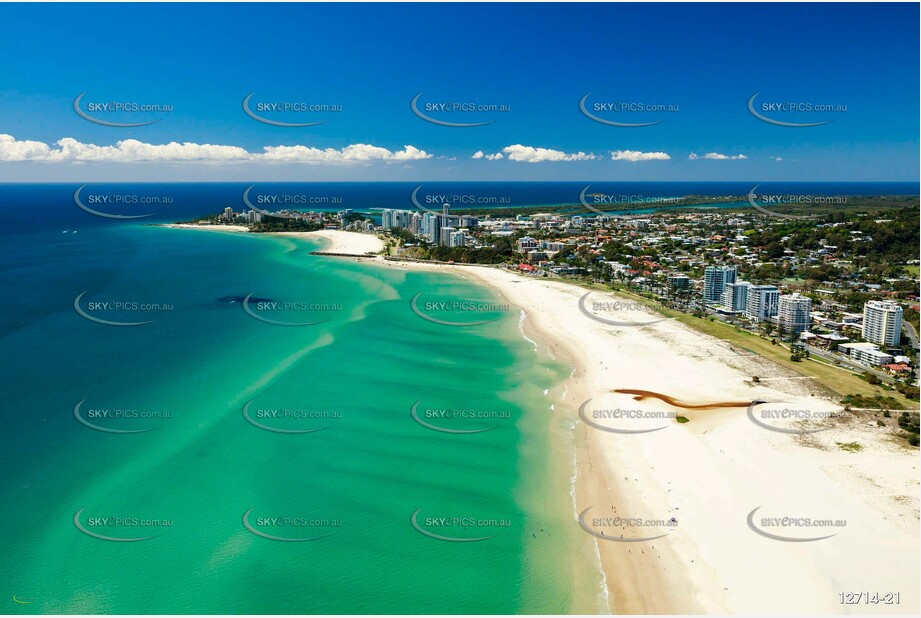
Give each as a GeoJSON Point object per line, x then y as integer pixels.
{"type": "Point", "coordinates": [882, 322]}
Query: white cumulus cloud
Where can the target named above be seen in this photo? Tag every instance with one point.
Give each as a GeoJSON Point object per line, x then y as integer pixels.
{"type": "Point", "coordinates": [530, 154]}
{"type": "Point", "coordinates": [132, 150]}
{"type": "Point", "coordinates": [715, 156]}
{"type": "Point", "coordinates": [355, 152]}
{"type": "Point", "coordinates": [13, 150]}
{"type": "Point", "coordinates": [636, 155]}
{"type": "Point", "coordinates": [489, 157]}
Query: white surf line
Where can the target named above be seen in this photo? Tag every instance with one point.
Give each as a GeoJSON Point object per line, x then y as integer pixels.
{"type": "Point", "coordinates": [522, 316]}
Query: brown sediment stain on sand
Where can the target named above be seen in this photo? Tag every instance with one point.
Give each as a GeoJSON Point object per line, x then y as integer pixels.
{"type": "Point", "coordinates": [639, 395]}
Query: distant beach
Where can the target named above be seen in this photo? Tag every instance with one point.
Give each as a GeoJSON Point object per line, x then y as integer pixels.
{"type": "Point", "coordinates": [339, 241]}
{"type": "Point", "coordinates": [199, 226]}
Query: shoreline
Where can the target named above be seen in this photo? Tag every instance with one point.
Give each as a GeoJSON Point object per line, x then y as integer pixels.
{"type": "Point", "coordinates": [353, 244]}
{"type": "Point", "coordinates": [589, 484]}
{"type": "Point", "coordinates": [237, 229]}
{"type": "Point", "coordinates": [708, 566]}
{"type": "Point", "coordinates": [711, 472]}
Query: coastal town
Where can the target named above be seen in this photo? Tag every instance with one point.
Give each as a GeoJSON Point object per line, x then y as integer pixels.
{"type": "Point", "coordinates": [484, 309]}
{"type": "Point", "coordinates": [839, 288]}
{"type": "Point", "coordinates": [813, 285]}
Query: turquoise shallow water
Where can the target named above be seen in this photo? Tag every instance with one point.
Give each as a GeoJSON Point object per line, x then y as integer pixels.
{"type": "Point", "coordinates": [187, 483]}
{"type": "Point", "coordinates": [354, 377]}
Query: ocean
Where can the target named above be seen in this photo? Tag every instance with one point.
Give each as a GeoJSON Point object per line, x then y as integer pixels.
{"type": "Point", "coordinates": [318, 448]}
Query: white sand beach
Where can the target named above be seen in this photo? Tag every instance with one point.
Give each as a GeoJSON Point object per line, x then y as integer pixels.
{"type": "Point", "coordinates": [341, 241]}
{"type": "Point", "coordinates": [712, 472]}
{"type": "Point", "coordinates": [200, 226]}
{"type": "Point", "coordinates": [336, 241]}
{"type": "Point", "coordinates": [716, 477]}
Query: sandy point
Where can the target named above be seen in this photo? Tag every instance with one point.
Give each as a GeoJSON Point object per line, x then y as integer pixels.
{"type": "Point", "coordinates": [342, 241]}
{"type": "Point", "coordinates": [211, 228]}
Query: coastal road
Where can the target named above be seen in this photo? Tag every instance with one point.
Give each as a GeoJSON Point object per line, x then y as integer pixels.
{"type": "Point", "coordinates": [850, 364]}
{"type": "Point", "coordinates": [912, 334]}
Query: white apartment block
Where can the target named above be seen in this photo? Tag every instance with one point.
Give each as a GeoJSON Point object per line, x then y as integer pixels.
{"type": "Point", "coordinates": [715, 280]}
{"type": "Point", "coordinates": [882, 322]}
{"type": "Point", "coordinates": [793, 313]}
{"type": "Point", "coordinates": [762, 302]}
{"type": "Point", "coordinates": [735, 296]}
{"type": "Point", "coordinates": [867, 353]}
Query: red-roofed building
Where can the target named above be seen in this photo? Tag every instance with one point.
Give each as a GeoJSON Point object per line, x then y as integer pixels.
{"type": "Point", "coordinates": [897, 368]}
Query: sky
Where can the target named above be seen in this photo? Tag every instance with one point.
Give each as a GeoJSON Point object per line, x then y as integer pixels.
{"type": "Point", "coordinates": [689, 68]}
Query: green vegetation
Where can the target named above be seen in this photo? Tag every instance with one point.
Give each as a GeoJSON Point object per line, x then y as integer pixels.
{"type": "Point", "coordinates": [268, 224]}
{"type": "Point", "coordinates": [671, 203]}
{"type": "Point", "coordinates": [272, 224]}
{"type": "Point", "coordinates": [874, 243]}
{"type": "Point", "coordinates": [682, 419]}
{"type": "Point", "coordinates": [851, 447]}
{"type": "Point", "coordinates": [909, 423]}
{"type": "Point", "coordinates": [911, 316]}
{"type": "Point", "coordinates": [908, 391]}
{"type": "Point", "coordinates": [499, 250]}
{"type": "Point", "coordinates": [798, 353]}
{"type": "Point", "coordinates": [908, 420]}
{"type": "Point", "coordinates": [878, 402]}
{"type": "Point", "coordinates": [855, 204]}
